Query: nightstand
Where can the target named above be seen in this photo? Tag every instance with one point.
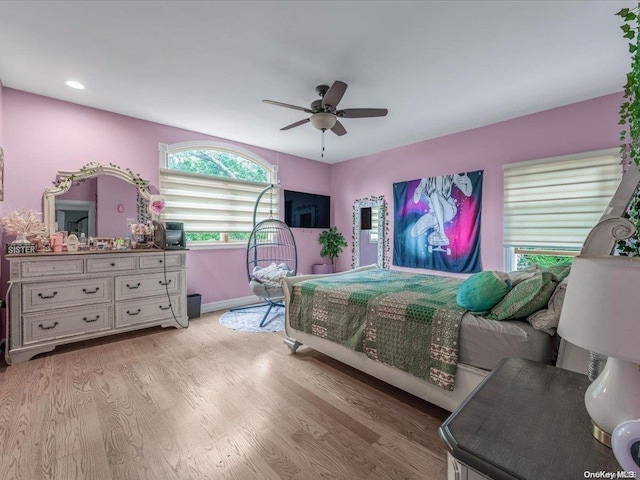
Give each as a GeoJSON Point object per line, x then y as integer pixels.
{"type": "Point", "coordinates": [526, 420]}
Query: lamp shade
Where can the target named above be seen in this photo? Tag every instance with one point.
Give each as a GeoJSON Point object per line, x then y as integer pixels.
{"type": "Point", "coordinates": [323, 121]}
{"type": "Point", "coordinates": [601, 310]}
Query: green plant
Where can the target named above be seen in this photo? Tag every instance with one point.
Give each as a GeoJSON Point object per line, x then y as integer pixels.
{"type": "Point", "coordinates": [332, 243]}
{"type": "Point", "coordinates": [630, 119]}
{"type": "Point", "coordinates": [630, 108]}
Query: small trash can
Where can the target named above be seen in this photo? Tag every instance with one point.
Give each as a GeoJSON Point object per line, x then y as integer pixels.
{"type": "Point", "coordinates": [193, 305]}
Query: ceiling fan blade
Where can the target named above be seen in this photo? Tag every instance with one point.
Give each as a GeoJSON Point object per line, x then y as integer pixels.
{"type": "Point", "coordinates": [334, 94]}
{"type": "Point", "coordinates": [280, 104]}
{"type": "Point", "coordinates": [339, 129]}
{"type": "Point", "coordinates": [362, 112]}
{"type": "Point", "coordinates": [296, 124]}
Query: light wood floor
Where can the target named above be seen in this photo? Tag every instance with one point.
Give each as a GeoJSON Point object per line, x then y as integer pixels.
{"type": "Point", "coordinates": [207, 403]}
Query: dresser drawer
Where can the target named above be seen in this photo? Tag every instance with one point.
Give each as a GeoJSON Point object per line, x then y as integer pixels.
{"type": "Point", "coordinates": [47, 295]}
{"type": "Point", "coordinates": [63, 323]}
{"type": "Point", "coordinates": [112, 264]}
{"type": "Point", "coordinates": [133, 286]}
{"type": "Point", "coordinates": [148, 310]}
{"type": "Point", "coordinates": [43, 268]}
{"type": "Point", "coordinates": [160, 261]}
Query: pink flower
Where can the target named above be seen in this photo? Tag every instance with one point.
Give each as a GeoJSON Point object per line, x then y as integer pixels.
{"type": "Point", "coordinates": [156, 204]}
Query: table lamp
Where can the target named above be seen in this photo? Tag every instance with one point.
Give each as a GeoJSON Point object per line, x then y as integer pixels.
{"type": "Point", "coordinates": [601, 313]}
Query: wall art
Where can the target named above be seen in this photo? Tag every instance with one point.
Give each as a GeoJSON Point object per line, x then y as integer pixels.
{"type": "Point", "coordinates": [437, 222]}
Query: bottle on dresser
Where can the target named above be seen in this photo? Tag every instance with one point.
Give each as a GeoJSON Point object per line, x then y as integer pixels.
{"type": "Point", "coordinates": [82, 243]}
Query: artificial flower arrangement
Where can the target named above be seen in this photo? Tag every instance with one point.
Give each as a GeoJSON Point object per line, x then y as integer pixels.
{"type": "Point", "coordinates": [156, 204]}
{"type": "Point", "coordinates": [24, 223]}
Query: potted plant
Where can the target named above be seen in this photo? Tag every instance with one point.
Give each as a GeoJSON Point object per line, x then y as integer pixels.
{"type": "Point", "coordinates": [332, 243]}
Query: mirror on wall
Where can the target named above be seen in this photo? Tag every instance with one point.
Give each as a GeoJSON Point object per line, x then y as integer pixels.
{"type": "Point", "coordinates": [97, 200]}
{"type": "Point", "coordinates": [370, 232]}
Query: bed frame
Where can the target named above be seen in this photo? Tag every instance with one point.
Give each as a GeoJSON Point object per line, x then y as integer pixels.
{"type": "Point", "coordinates": [600, 241]}
{"type": "Point", "coordinates": [467, 377]}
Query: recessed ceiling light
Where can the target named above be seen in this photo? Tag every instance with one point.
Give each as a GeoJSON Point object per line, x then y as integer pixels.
{"type": "Point", "coordinates": [74, 84]}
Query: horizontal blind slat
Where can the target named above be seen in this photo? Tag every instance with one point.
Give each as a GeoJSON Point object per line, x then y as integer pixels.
{"type": "Point", "coordinates": [555, 204]}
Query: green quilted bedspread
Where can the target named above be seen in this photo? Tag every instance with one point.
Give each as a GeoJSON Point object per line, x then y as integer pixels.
{"type": "Point", "coordinates": [409, 321]}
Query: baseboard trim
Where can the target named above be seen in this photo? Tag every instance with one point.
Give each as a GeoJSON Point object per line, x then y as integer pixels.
{"type": "Point", "coordinates": [231, 303]}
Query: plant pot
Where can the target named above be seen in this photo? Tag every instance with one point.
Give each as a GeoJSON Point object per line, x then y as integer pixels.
{"type": "Point", "coordinates": [322, 268]}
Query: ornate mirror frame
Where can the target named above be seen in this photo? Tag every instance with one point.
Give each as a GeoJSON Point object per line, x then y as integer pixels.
{"type": "Point", "coordinates": [383, 230]}
{"type": "Point", "coordinates": [66, 179]}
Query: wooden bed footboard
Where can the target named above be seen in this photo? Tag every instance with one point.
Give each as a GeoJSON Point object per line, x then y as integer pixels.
{"type": "Point", "coordinates": [467, 377]}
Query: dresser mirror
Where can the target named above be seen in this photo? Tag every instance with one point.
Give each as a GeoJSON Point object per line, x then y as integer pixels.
{"type": "Point", "coordinates": [370, 232]}
{"type": "Point", "coordinates": [97, 200]}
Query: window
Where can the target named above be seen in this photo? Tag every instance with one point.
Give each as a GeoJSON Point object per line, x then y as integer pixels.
{"type": "Point", "coordinates": [550, 205]}
{"type": "Point", "coordinates": [373, 233]}
{"type": "Point", "coordinates": [212, 188]}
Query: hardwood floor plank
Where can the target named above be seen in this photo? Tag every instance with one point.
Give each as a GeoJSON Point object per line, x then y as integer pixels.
{"type": "Point", "coordinates": [208, 402]}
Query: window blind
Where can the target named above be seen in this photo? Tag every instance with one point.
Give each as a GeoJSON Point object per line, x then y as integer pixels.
{"type": "Point", "coordinates": [554, 203]}
{"type": "Point", "coordinates": [373, 233]}
{"type": "Point", "coordinates": [214, 204]}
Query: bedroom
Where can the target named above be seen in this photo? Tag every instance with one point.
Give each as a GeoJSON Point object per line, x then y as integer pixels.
{"type": "Point", "coordinates": [42, 135]}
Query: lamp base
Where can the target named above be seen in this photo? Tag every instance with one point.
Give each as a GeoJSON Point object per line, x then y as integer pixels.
{"type": "Point", "coordinates": [612, 398]}
{"type": "Point", "coordinates": [600, 435]}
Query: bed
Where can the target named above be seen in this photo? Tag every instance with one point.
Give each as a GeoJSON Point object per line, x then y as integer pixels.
{"type": "Point", "coordinates": [353, 318]}
{"type": "Point", "coordinates": [475, 359]}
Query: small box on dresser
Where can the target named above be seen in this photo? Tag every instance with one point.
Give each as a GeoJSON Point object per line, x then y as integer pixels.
{"type": "Point", "coordinates": [61, 298]}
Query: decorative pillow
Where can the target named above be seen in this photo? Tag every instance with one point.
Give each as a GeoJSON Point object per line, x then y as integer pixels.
{"type": "Point", "coordinates": [270, 275]}
{"type": "Point", "coordinates": [547, 319]}
{"type": "Point", "coordinates": [518, 276]}
{"type": "Point", "coordinates": [525, 298]}
{"type": "Point", "coordinates": [483, 290]}
{"type": "Point", "coordinates": [558, 272]}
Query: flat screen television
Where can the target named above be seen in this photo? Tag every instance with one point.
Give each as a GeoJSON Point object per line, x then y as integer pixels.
{"type": "Point", "coordinates": [306, 210]}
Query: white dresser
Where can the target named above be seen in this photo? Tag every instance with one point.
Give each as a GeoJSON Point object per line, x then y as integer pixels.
{"type": "Point", "coordinates": [63, 298]}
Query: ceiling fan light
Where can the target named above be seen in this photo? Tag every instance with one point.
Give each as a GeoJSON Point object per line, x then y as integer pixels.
{"type": "Point", "coordinates": [323, 121]}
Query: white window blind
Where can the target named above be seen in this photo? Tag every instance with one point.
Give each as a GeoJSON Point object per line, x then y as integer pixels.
{"type": "Point", "coordinates": [214, 204]}
{"type": "Point", "coordinates": [373, 233]}
{"type": "Point", "coordinates": [554, 203]}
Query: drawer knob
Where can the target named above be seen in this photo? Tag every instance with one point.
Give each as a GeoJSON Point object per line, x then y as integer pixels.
{"type": "Point", "coordinates": [89, 292]}
{"type": "Point", "coordinates": [133, 313]}
{"type": "Point", "coordinates": [47, 297]}
{"type": "Point", "coordinates": [92, 320]}
{"type": "Point", "coordinates": [160, 261]}
{"type": "Point", "coordinates": [165, 308]}
{"type": "Point", "coordinates": [133, 287]}
{"type": "Point", "coordinates": [164, 284]}
{"type": "Point", "coordinates": [55, 324]}
{"type": "Point", "coordinates": [113, 264]}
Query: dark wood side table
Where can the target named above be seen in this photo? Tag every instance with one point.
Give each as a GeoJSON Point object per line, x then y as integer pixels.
{"type": "Point", "coordinates": [526, 420]}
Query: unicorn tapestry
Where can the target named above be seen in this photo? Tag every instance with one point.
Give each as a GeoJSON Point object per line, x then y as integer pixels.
{"type": "Point", "coordinates": [437, 223]}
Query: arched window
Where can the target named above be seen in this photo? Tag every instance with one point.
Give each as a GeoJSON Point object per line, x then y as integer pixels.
{"type": "Point", "coordinates": [212, 188]}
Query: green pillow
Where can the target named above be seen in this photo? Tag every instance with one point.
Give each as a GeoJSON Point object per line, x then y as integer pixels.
{"type": "Point", "coordinates": [527, 297]}
{"type": "Point", "coordinates": [483, 290]}
{"type": "Point", "coordinates": [558, 272]}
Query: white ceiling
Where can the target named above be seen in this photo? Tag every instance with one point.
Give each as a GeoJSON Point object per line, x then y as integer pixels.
{"type": "Point", "coordinates": [439, 66]}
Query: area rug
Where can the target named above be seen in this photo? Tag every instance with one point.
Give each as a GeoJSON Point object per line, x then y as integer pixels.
{"type": "Point", "coordinates": [248, 320]}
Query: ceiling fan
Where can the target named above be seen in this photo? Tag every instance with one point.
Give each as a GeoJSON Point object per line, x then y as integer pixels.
{"type": "Point", "coordinates": [324, 112]}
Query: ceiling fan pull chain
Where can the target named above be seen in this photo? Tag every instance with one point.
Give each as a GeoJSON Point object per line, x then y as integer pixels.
{"type": "Point", "coordinates": [322, 143]}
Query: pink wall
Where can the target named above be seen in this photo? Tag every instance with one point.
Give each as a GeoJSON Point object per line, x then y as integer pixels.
{"type": "Point", "coordinates": [86, 190]}
{"type": "Point", "coordinates": [580, 127]}
{"type": "Point", "coordinates": [44, 135]}
{"type": "Point", "coordinates": [1, 116]}
{"type": "Point", "coordinates": [113, 192]}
